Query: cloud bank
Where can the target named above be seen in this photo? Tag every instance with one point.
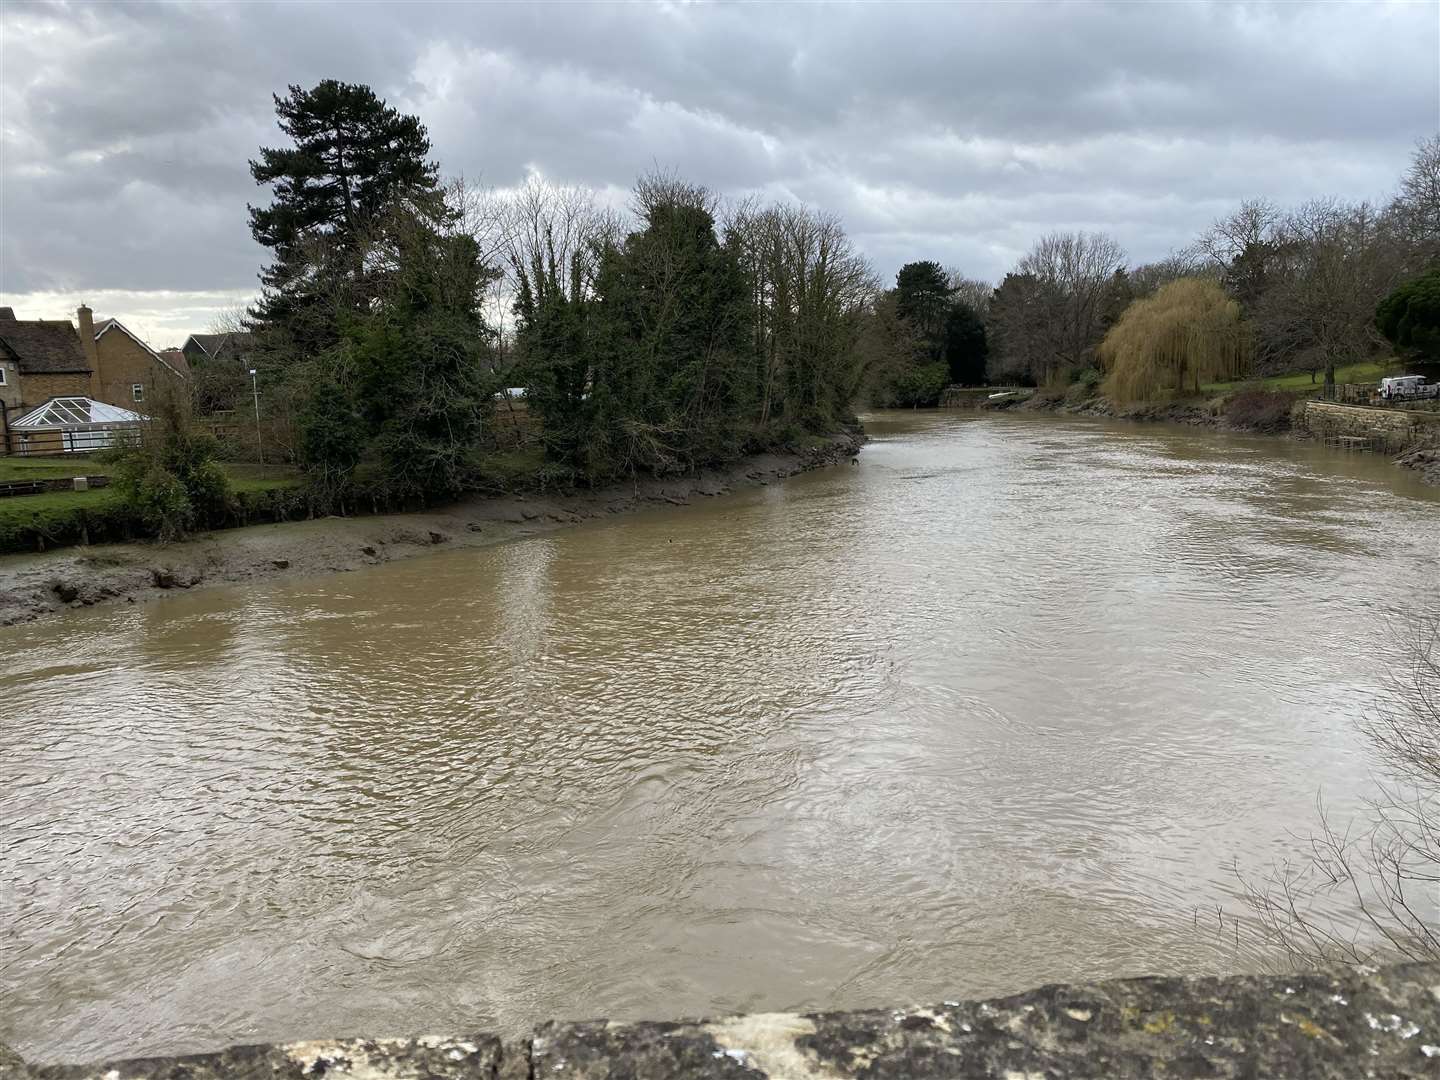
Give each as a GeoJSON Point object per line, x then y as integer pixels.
{"type": "Point", "coordinates": [957, 133]}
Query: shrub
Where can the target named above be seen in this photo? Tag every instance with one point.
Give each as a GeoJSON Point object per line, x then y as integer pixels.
{"type": "Point", "coordinates": [155, 495]}
{"type": "Point", "coordinates": [172, 482]}
{"type": "Point", "coordinates": [1255, 409]}
{"type": "Point", "coordinates": [916, 387]}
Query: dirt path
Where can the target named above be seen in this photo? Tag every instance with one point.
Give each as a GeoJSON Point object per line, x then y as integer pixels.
{"type": "Point", "coordinates": [35, 586]}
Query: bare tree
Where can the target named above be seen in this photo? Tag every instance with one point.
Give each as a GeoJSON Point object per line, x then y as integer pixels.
{"type": "Point", "coordinates": [1339, 261]}
{"type": "Point", "coordinates": [973, 292]}
{"type": "Point", "coordinates": [1017, 327]}
{"type": "Point", "coordinates": [234, 319]}
{"type": "Point", "coordinates": [1386, 868]}
{"type": "Point", "coordinates": [1416, 208]}
{"type": "Point", "coordinates": [1257, 221]}
{"type": "Point", "coordinates": [552, 236]}
{"type": "Point", "coordinates": [1149, 278]}
{"type": "Point", "coordinates": [810, 287]}
{"type": "Point", "coordinates": [1247, 250]}
{"type": "Point", "coordinates": [1048, 315]}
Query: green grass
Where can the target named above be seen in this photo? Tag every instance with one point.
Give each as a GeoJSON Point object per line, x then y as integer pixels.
{"type": "Point", "coordinates": [50, 468]}
{"type": "Point", "coordinates": [244, 476]}
{"type": "Point", "coordinates": [268, 475]}
{"type": "Point", "coordinates": [29, 522]}
{"type": "Point", "coordinates": [1368, 372]}
{"type": "Point", "coordinates": [27, 505]}
{"type": "Point", "coordinates": [259, 484]}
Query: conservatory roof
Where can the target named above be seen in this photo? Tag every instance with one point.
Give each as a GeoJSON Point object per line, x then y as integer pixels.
{"type": "Point", "coordinates": [75, 411]}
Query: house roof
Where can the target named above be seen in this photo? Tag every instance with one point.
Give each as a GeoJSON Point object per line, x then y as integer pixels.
{"type": "Point", "coordinates": [105, 325]}
{"type": "Point", "coordinates": [176, 359]}
{"type": "Point", "coordinates": [73, 412]}
{"type": "Point", "coordinates": [206, 343]}
{"type": "Point", "coordinates": [212, 344]}
{"type": "Point", "coordinates": [43, 346]}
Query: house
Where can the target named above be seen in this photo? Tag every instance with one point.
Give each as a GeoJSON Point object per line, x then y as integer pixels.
{"type": "Point", "coordinates": [129, 370]}
{"type": "Point", "coordinates": [41, 359]}
{"type": "Point", "coordinates": [200, 349]}
{"type": "Point", "coordinates": [85, 375]}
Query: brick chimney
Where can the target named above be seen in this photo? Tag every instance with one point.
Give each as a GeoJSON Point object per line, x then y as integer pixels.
{"type": "Point", "coordinates": [85, 317]}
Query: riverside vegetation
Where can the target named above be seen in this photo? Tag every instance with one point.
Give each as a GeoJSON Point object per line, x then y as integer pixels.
{"type": "Point", "coordinates": [687, 331]}
{"type": "Point", "coordinates": [1267, 299]}
{"type": "Point", "coordinates": [678, 336]}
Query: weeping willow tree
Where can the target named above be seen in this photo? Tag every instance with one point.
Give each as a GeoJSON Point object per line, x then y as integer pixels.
{"type": "Point", "coordinates": [1188, 332]}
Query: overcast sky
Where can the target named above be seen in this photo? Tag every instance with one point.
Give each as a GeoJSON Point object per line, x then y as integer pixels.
{"type": "Point", "coordinates": [958, 133]}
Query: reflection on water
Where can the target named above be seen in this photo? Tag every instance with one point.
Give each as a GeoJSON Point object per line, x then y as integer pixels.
{"type": "Point", "coordinates": [999, 706]}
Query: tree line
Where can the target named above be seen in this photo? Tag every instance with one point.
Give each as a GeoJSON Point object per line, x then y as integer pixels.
{"type": "Point", "coordinates": [399, 311]}
{"type": "Point", "coordinates": [1264, 290]}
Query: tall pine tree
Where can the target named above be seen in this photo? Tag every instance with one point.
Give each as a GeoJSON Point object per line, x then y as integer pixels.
{"type": "Point", "coordinates": [354, 159]}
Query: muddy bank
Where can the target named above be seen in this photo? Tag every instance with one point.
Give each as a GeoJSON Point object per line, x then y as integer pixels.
{"type": "Point", "coordinates": [33, 586]}
{"type": "Point", "coordinates": [1426, 461]}
{"type": "Point", "coordinates": [1078, 401]}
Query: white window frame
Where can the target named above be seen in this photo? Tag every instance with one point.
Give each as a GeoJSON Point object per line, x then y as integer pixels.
{"type": "Point", "coordinates": [137, 391]}
{"type": "Point", "coordinates": [2, 374]}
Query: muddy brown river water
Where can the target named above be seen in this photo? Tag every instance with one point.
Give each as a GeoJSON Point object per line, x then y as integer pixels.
{"type": "Point", "coordinates": [999, 706]}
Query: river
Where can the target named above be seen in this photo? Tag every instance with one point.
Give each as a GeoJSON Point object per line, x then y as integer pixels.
{"type": "Point", "coordinates": [998, 706]}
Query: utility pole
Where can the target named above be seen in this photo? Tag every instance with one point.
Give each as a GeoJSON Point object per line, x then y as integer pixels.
{"type": "Point", "coordinates": [255, 385]}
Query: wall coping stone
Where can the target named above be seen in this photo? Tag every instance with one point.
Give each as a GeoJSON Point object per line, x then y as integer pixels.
{"type": "Point", "coordinates": [1346, 1023]}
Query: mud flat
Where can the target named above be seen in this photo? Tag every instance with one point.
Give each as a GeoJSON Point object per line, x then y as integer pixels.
{"type": "Point", "coordinates": [34, 586]}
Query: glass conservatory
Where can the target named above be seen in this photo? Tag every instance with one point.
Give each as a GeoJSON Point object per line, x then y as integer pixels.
{"type": "Point", "coordinates": [73, 425]}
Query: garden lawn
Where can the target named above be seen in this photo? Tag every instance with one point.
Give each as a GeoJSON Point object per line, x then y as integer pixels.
{"type": "Point", "coordinates": [63, 517]}
{"type": "Point", "coordinates": [1368, 372]}
{"type": "Point", "coordinates": [48, 468]}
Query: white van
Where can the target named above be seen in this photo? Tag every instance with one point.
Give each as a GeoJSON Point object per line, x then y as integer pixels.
{"type": "Point", "coordinates": [1407, 386]}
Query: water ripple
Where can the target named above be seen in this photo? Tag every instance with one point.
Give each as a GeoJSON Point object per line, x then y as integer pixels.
{"type": "Point", "coordinates": [996, 708]}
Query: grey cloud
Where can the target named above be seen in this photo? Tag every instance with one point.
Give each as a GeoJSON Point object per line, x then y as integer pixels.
{"type": "Point", "coordinates": [955, 133]}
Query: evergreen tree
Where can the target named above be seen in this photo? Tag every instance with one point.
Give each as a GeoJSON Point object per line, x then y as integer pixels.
{"type": "Point", "coordinates": [407, 386]}
{"type": "Point", "coordinates": [1410, 318]}
{"type": "Point", "coordinates": [923, 297]}
{"type": "Point", "coordinates": [677, 327]}
{"type": "Point", "coordinates": [354, 160]}
{"type": "Point", "coordinates": [966, 347]}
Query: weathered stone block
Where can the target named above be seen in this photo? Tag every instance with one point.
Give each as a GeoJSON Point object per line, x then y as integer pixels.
{"type": "Point", "coordinates": [1350, 1024]}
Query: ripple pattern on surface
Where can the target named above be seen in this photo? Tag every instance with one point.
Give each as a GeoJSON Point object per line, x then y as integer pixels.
{"type": "Point", "coordinates": [999, 707]}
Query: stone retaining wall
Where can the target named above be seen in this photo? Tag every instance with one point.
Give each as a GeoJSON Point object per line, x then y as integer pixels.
{"type": "Point", "coordinates": [1390, 431]}
{"type": "Point", "coordinates": [1349, 1024]}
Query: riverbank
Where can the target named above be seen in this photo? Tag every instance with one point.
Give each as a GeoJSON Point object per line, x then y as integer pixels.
{"type": "Point", "coordinates": [1079, 400]}
{"type": "Point", "coordinates": [1255, 413]}
{"type": "Point", "coordinates": [1342, 1024]}
{"type": "Point", "coordinates": [34, 586]}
